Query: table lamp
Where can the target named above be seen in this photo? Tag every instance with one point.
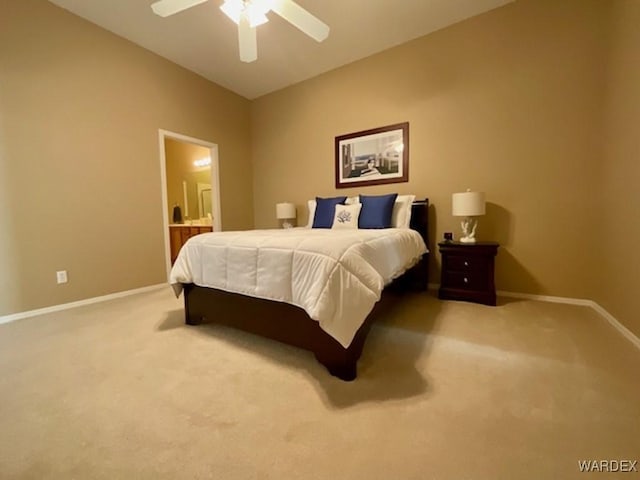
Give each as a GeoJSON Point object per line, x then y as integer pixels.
{"type": "Point", "coordinates": [286, 212]}
{"type": "Point", "coordinates": [469, 205]}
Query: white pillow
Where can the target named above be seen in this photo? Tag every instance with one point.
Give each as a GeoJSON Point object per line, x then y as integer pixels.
{"type": "Point", "coordinates": [312, 212]}
{"type": "Point", "coordinates": [311, 204]}
{"type": "Point", "coordinates": [401, 215]}
{"type": "Point", "coordinates": [346, 216]}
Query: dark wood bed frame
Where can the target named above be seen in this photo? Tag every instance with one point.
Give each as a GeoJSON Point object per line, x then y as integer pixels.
{"type": "Point", "coordinates": [290, 324]}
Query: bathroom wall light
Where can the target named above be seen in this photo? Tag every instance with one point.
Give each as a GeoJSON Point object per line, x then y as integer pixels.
{"type": "Point", "coordinates": [203, 162]}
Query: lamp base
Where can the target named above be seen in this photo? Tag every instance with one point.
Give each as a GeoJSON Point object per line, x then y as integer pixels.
{"type": "Point", "coordinates": [468, 225]}
{"type": "Point", "coordinates": [287, 224]}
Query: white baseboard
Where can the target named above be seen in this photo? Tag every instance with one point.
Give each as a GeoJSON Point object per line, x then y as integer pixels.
{"type": "Point", "coordinates": [616, 324]}
{"type": "Point", "coordinates": [79, 303]}
{"type": "Point", "coordinates": [613, 321]}
{"type": "Point", "coordinates": [546, 298]}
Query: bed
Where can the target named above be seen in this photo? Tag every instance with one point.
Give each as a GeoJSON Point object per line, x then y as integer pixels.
{"type": "Point", "coordinates": [336, 333]}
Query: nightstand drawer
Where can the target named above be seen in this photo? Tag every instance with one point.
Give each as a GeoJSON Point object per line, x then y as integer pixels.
{"type": "Point", "coordinates": [467, 271]}
{"type": "Point", "coordinates": [466, 263]}
{"type": "Point", "coordinates": [464, 280]}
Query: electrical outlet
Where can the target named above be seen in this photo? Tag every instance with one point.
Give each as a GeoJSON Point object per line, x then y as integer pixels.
{"type": "Point", "coordinates": [61, 276]}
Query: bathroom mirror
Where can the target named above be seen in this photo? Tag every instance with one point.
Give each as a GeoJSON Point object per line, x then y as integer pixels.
{"type": "Point", "coordinates": [204, 200]}
{"type": "Point", "coordinates": [188, 181]}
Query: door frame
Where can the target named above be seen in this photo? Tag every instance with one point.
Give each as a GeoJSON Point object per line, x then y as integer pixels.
{"type": "Point", "coordinates": [215, 185]}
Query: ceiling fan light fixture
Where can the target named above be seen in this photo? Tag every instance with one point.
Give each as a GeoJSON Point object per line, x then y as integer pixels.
{"type": "Point", "coordinates": [248, 14]}
{"type": "Point", "coordinates": [256, 16]}
{"type": "Point", "coordinates": [233, 9]}
{"type": "Point", "coordinates": [254, 12]}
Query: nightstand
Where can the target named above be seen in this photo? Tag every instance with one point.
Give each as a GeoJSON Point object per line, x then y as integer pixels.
{"type": "Point", "coordinates": [467, 271]}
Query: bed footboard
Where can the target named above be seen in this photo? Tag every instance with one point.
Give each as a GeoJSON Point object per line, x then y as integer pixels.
{"type": "Point", "coordinates": [276, 320]}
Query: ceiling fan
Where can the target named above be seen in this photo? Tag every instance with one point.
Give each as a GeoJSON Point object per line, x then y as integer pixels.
{"type": "Point", "coordinates": [248, 14]}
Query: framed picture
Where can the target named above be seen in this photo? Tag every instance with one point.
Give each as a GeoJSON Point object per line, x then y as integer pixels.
{"type": "Point", "coordinates": [373, 157]}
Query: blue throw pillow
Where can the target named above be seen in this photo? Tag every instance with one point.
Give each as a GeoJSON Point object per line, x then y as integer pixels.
{"type": "Point", "coordinates": [376, 211]}
{"type": "Point", "coordinates": [325, 210]}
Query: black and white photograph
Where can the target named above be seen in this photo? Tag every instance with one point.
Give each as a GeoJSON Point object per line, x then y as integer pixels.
{"type": "Point", "coordinates": [373, 157]}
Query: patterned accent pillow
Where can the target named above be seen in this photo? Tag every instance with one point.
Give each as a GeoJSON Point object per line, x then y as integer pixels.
{"type": "Point", "coordinates": [346, 216]}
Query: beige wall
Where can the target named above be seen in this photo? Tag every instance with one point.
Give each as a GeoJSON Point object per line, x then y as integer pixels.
{"type": "Point", "coordinates": [509, 103]}
{"type": "Point", "coordinates": [620, 225]}
{"type": "Point", "coordinates": [535, 103]}
{"type": "Point", "coordinates": [80, 110]}
{"type": "Point", "coordinates": [180, 168]}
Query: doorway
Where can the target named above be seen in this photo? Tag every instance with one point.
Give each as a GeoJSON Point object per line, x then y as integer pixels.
{"type": "Point", "coordinates": [194, 187]}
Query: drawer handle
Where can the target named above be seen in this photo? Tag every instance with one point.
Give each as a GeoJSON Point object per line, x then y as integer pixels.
{"type": "Point", "coordinates": [466, 264]}
{"type": "Point", "coordinates": [466, 280]}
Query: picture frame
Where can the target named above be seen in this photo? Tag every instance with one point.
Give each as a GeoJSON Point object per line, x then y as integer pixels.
{"type": "Point", "coordinates": [373, 157]}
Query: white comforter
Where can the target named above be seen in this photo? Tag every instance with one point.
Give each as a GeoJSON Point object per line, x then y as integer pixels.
{"type": "Point", "coordinates": [336, 276]}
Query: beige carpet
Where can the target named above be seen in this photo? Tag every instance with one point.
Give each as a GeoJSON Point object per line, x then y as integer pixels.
{"type": "Point", "coordinates": [446, 390]}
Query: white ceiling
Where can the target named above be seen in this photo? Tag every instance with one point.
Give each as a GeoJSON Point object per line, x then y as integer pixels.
{"type": "Point", "coordinates": [204, 40]}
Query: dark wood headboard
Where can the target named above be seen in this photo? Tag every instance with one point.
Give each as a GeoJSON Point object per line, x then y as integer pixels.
{"type": "Point", "coordinates": [420, 218]}
{"type": "Point", "coordinates": [420, 223]}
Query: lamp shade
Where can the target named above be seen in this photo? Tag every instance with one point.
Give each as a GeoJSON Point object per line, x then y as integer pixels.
{"type": "Point", "coordinates": [285, 211]}
{"type": "Point", "coordinates": [468, 204]}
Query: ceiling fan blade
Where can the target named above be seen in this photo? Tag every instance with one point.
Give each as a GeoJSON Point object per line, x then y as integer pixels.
{"type": "Point", "coordinates": [164, 8]}
{"type": "Point", "coordinates": [247, 41]}
{"type": "Point", "coordinates": [301, 19]}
